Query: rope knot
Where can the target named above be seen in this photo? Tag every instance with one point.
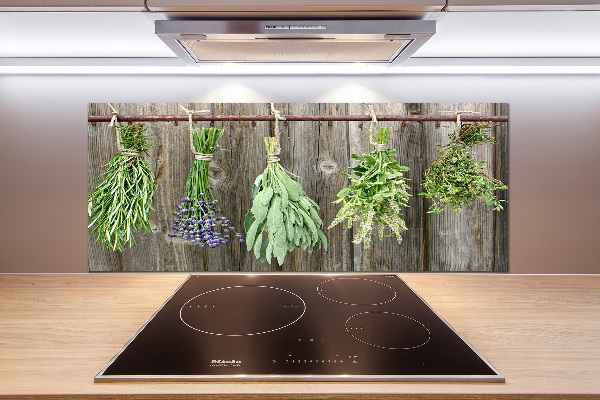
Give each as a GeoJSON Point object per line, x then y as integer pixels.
{"type": "Point", "coordinates": [190, 114]}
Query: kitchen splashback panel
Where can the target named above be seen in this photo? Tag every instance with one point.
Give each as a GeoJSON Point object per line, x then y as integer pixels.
{"type": "Point", "coordinates": [475, 239]}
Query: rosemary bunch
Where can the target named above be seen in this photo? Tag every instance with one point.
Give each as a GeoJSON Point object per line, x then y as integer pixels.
{"type": "Point", "coordinates": [199, 218]}
{"type": "Point", "coordinates": [377, 193]}
{"type": "Point", "coordinates": [455, 179]}
{"type": "Point", "coordinates": [282, 216]}
{"type": "Point", "coordinates": [123, 197]}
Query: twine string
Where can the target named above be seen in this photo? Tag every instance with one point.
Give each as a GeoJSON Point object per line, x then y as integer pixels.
{"type": "Point", "coordinates": [372, 141]}
{"type": "Point", "coordinates": [373, 124]}
{"type": "Point", "coordinates": [120, 148]}
{"type": "Point", "coordinates": [271, 158]}
{"type": "Point", "coordinates": [381, 146]}
{"type": "Point", "coordinates": [458, 126]}
{"type": "Point", "coordinates": [115, 113]}
{"type": "Point", "coordinates": [129, 152]}
{"type": "Point", "coordinates": [277, 132]}
{"type": "Point", "coordinates": [197, 155]}
{"type": "Point", "coordinates": [203, 157]}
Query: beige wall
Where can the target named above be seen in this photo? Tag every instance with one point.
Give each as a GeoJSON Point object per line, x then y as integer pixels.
{"type": "Point", "coordinates": [554, 153]}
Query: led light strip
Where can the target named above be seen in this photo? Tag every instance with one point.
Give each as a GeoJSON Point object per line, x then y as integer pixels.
{"type": "Point", "coordinates": [414, 66]}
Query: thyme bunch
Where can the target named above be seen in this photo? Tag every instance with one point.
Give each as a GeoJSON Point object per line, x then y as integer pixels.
{"type": "Point", "coordinates": [455, 179]}
{"type": "Point", "coordinates": [199, 218]}
{"type": "Point", "coordinates": [282, 216]}
{"type": "Point", "coordinates": [123, 197]}
{"type": "Point", "coordinates": [377, 193]}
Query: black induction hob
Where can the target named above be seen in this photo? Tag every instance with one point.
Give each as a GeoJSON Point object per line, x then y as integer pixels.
{"type": "Point", "coordinates": [297, 327]}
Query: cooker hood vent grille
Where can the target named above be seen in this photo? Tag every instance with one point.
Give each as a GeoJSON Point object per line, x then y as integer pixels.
{"type": "Point", "coordinates": [388, 42]}
{"type": "Point", "coordinates": [293, 50]}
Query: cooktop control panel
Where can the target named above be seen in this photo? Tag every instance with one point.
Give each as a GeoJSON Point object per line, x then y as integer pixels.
{"type": "Point", "coordinates": [313, 327]}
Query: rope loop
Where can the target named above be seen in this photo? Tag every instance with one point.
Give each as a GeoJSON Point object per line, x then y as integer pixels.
{"type": "Point", "coordinates": [458, 126]}
{"type": "Point", "coordinates": [190, 114]}
{"type": "Point", "coordinates": [374, 122]}
{"type": "Point", "coordinates": [373, 118]}
{"type": "Point", "coordinates": [113, 122]}
{"type": "Point", "coordinates": [277, 132]}
{"type": "Point", "coordinates": [115, 113]}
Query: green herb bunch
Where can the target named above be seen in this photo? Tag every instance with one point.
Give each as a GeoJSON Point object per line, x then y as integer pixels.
{"type": "Point", "coordinates": [282, 217]}
{"type": "Point", "coordinates": [377, 193]}
{"type": "Point", "coordinates": [199, 218]}
{"type": "Point", "coordinates": [123, 197]}
{"type": "Point", "coordinates": [455, 179]}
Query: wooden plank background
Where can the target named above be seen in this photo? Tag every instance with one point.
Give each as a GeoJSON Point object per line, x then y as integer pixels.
{"type": "Point", "coordinates": [475, 239]}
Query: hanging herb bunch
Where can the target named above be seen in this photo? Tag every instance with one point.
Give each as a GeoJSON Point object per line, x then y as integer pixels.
{"type": "Point", "coordinates": [282, 216]}
{"type": "Point", "coordinates": [455, 179]}
{"type": "Point", "coordinates": [377, 193]}
{"type": "Point", "coordinates": [199, 218]}
{"type": "Point", "coordinates": [123, 197]}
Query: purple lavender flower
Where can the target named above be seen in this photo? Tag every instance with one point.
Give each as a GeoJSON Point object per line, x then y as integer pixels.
{"type": "Point", "coordinates": [199, 219]}
{"type": "Point", "coordinates": [201, 222]}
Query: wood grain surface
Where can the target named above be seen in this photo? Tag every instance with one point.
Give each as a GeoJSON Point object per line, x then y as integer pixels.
{"type": "Point", "coordinates": [472, 240]}
{"type": "Point", "coordinates": [540, 331]}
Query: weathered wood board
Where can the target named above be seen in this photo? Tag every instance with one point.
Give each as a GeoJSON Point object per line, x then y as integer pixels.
{"type": "Point", "coordinates": [475, 239]}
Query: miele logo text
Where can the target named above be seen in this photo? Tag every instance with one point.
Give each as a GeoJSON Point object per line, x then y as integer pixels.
{"type": "Point", "coordinates": [225, 363]}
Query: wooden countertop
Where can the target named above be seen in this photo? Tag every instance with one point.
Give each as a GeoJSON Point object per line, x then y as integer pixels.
{"type": "Point", "coordinates": [542, 332]}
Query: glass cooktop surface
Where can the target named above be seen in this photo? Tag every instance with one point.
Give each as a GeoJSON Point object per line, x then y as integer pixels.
{"type": "Point", "coordinates": [310, 327]}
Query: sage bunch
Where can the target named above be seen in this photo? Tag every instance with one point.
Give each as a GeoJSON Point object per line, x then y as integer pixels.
{"type": "Point", "coordinates": [282, 216]}
{"type": "Point", "coordinates": [377, 193]}
{"type": "Point", "coordinates": [455, 179]}
{"type": "Point", "coordinates": [121, 202]}
{"type": "Point", "coordinates": [199, 218]}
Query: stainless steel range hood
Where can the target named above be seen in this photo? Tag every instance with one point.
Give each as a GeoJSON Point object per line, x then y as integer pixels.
{"type": "Point", "coordinates": [389, 42]}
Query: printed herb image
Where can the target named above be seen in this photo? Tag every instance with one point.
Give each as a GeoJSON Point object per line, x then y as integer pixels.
{"type": "Point", "coordinates": [377, 193]}
{"type": "Point", "coordinates": [282, 216]}
{"type": "Point", "coordinates": [455, 179]}
{"type": "Point", "coordinates": [121, 202]}
{"type": "Point", "coordinates": [199, 218]}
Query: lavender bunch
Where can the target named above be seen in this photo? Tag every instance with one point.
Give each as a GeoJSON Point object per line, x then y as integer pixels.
{"type": "Point", "coordinates": [199, 218]}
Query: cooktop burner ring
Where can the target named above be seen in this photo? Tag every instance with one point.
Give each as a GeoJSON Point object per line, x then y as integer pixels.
{"type": "Point", "coordinates": [389, 347]}
{"type": "Point", "coordinates": [242, 334]}
{"type": "Point", "coordinates": [356, 303]}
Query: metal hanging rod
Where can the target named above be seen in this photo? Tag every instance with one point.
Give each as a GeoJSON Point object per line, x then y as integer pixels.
{"type": "Point", "coordinates": [228, 118]}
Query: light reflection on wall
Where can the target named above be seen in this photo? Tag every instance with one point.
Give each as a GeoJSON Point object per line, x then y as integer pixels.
{"type": "Point", "coordinates": [233, 92]}
{"type": "Point", "coordinates": [351, 92]}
